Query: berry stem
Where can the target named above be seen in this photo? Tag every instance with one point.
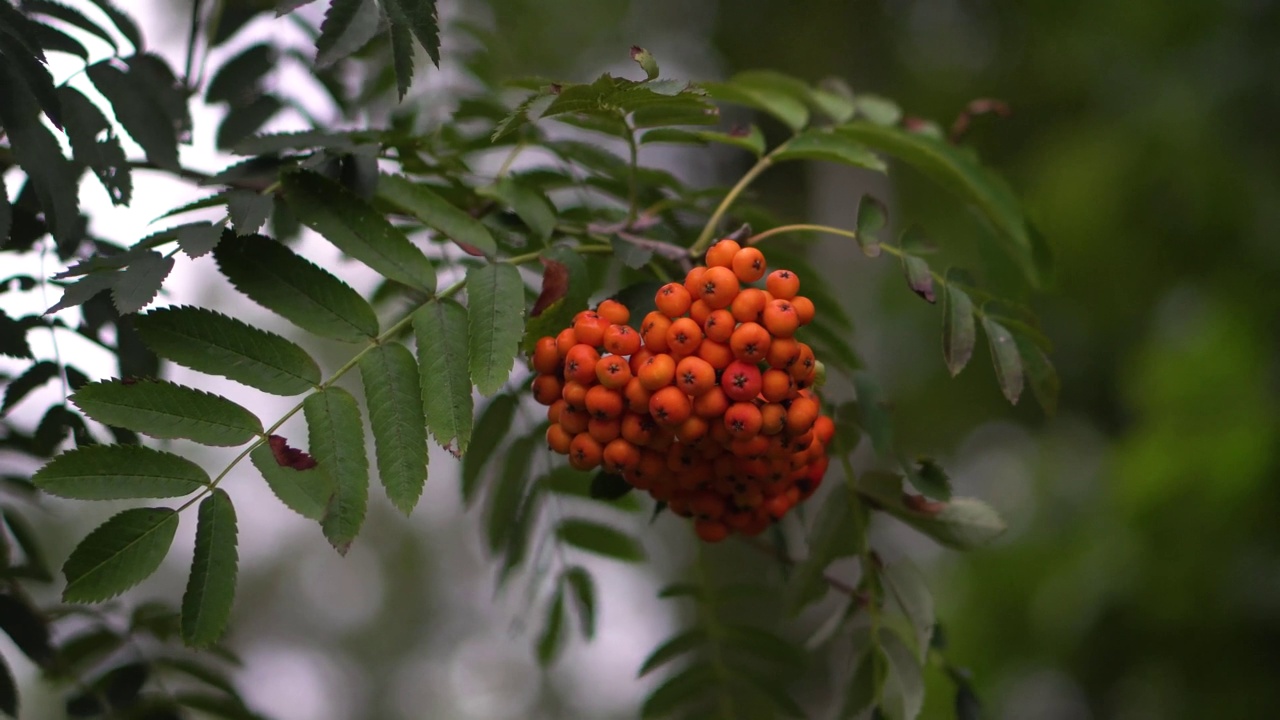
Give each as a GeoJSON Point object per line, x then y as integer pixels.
{"type": "Point", "coordinates": [759, 237]}
{"type": "Point", "coordinates": [708, 230]}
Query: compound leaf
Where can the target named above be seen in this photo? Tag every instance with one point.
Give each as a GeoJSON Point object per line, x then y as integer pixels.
{"type": "Point", "coordinates": [304, 490]}
{"type": "Point", "coordinates": [600, 539]}
{"type": "Point", "coordinates": [436, 213]}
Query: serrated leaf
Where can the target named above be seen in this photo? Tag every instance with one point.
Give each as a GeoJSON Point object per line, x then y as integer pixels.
{"type": "Point", "coordinates": [13, 336]}
{"type": "Point", "coordinates": [112, 472]}
{"type": "Point", "coordinates": [419, 17]}
{"type": "Point", "coordinates": [600, 539]}
{"type": "Point", "coordinates": [33, 377]}
{"type": "Point", "coordinates": [872, 218]}
{"type": "Point", "coordinates": [280, 280]}
{"type": "Point", "coordinates": [138, 110]}
{"type": "Point", "coordinates": [959, 333]}
{"type": "Point", "coordinates": [902, 696]}
{"type": "Point", "coordinates": [302, 140]}
{"type": "Point", "coordinates": [1005, 358]}
{"type": "Point", "coordinates": [630, 254]}
{"type": "Point", "coordinates": [239, 79]}
{"type": "Point", "coordinates": [336, 437]}
{"type": "Point", "coordinates": [123, 22]}
{"type": "Point", "coordinates": [20, 45]}
{"type": "Point", "coordinates": [436, 213]}
{"type": "Point", "coordinates": [213, 343]}
{"type": "Point", "coordinates": [1039, 372]}
{"type": "Point", "coordinates": [54, 40]}
{"type": "Point", "coordinates": [348, 25]}
{"type": "Point", "coordinates": [118, 554]}
{"type": "Point", "coordinates": [199, 238]}
{"type": "Point", "coordinates": [529, 203]}
{"type": "Point", "coordinates": [551, 641]}
{"type": "Point", "coordinates": [389, 373]}
{"type": "Point", "coordinates": [672, 648]}
{"type": "Point", "coordinates": [955, 170]}
{"type": "Point", "coordinates": [39, 154]}
{"type": "Point", "coordinates": [357, 229]}
{"type": "Point", "coordinates": [912, 594]}
{"type": "Point", "coordinates": [919, 276]}
{"type": "Point", "coordinates": [211, 588]}
{"type": "Point", "coordinates": [304, 491]}
{"type": "Point", "coordinates": [401, 56]}
{"type": "Point", "coordinates": [139, 283]}
{"type": "Point", "coordinates": [26, 627]}
{"type": "Point", "coordinates": [8, 690]}
{"type": "Point", "coordinates": [582, 590]}
{"type": "Point", "coordinates": [490, 430]}
{"type": "Point", "coordinates": [559, 313]}
{"type": "Point", "coordinates": [839, 531]}
{"type": "Point", "coordinates": [84, 125]}
{"type": "Point", "coordinates": [677, 690]}
{"type": "Point", "coordinates": [507, 495]}
{"type": "Point", "coordinates": [242, 121]}
{"type": "Point", "coordinates": [645, 60]}
{"type": "Point", "coordinates": [823, 144]}
{"type": "Point", "coordinates": [749, 138]}
{"type": "Point", "coordinates": [248, 210]}
{"type": "Point", "coordinates": [746, 90]}
{"type": "Point", "coordinates": [495, 310]}
{"type": "Point", "coordinates": [158, 80]}
{"type": "Point", "coordinates": [440, 328]}
{"type": "Point", "coordinates": [71, 16]}
{"type": "Point", "coordinates": [166, 410]}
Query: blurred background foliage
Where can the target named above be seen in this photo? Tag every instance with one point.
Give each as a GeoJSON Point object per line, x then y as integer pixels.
{"type": "Point", "coordinates": [1141, 574]}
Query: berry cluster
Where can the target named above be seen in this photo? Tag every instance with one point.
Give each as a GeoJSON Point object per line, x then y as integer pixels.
{"type": "Point", "coordinates": [708, 406]}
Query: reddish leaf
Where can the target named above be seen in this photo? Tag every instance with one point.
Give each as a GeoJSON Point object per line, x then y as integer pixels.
{"type": "Point", "coordinates": [922, 504]}
{"type": "Point", "coordinates": [555, 284]}
{"type": "Point", "coordinates": [289, 457]}
{"type": "Point", "coordinates": [469, 249]}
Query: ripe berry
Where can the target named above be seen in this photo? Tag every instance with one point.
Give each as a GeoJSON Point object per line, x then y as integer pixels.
{"type": "Point", "coordinates": [712, 403]}
{"type": "Point", "coordinates": [783, 353]}
{"type": "Point", "coordinates": [804, 309]}
{"type": "Point", "coordinates": [604, 403]}
{"type": "Point", "coordinates": [748, 264]}
{"type": "Point", "coordinates": [717, 354]}
{"type": "Point", "coordinates": [750, 343]}
{"type": "Point", "coordinates": [558, 439]}
{"type": "Point", "coordinates": [546, 357]}
{"type": "Point", "coordinates": [741, 381]}
{"type": "Point", "coordinates": [683, 336]}
{"type": "Point", "coordinates": [613, 371]}
{"type": "Point", "coordinates": [776, 385]}
{"type": "Point", "coordinates": [574, 420]}
{"type": "Point", "coordinates": [636, 395]}
{"type": "Point", "coordinates": [719, 287]}
{"type": "Point", "coordinates": [584, 452]}
{"type": "Point", "coordinates": [580, 364]}
{"type": "Point", "coordinates": [721, 253]}
{"type": "Point", "coordinates": [673, 300]}
{"type": "Point", "coordinates": [620, 455]}
{"type": "Point", "coordinates": [695, 376]}
{"type": "Point", "coordinates": [657, 372]}
{"type": "Point", "coordinates": [654, 332]}
{"type": "Point", "coordinates": [802, 414]}
{"type": "Point", "coordinates": [575, 394]}
{"type": "Point", "coordinates": [621, 339]}
{"type": "Point", "coordinates": [604, 429]}
{"type": "Point", "coordinates": [589, 328]}
{"type": "Point", "coordinates": [719, 325]}
{"type": "Point", "coordinates": [565, 341]}
{"type": "Point", "coordinates": [783, 284]}
{"type": "Point", "coordinates": [710, 530]}
{"type": "Point", "coordinates": [749, 305]}
{"type": "Point", "coordinates": [670, 406]}
{"type": "Point", "coordinates": [743, 420]}
{"type": "Point", "coordinates": [614, 311]}
{"type": "Point", "coordinates": [547, 389]}
{"type": "Point", "coordinates": [781, 318]}
{"type": "Point", "coordinates": [638, 428]}
{"type": "Point", "coordinates": [693, 280]}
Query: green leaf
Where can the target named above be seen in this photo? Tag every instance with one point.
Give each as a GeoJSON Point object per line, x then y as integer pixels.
{"type": "Point", "coordinates": [756, 92]}
{"type": "Point", "coordinates": [495, 309]}
{"type": "Point", "coordinates": [33, 377]}
{"type": "Point", "coordinates": [600, 539]}
{"type": "Point", "coordinates": [873, 412]}
{"type": "Point", "coordinates": [242, 121]}
{"type": "Point", "coordinates": [961, 523]}
{"type": "Point", "coordinates": [436, 213]}
{"type": "Point", "coordinates": [440, 328]}
{"type": "Point", "coordinates": [824, 144]}
{"type": "Point", "coordinates": [139, 110]}
{"type": "Point", "coordinates": [902, 697]}
{"type": "Point", "coordinates": [38, 153]}
{"type": "Point", "coordinates": [608, 486]}
{"type": "Point", "coordinates": [20, 47]}
{"type": "Point", "coordinates": [55, 40]}
{"type": "Point", "coordinates": [909, 590]}
{"type": "Point", "coordinates": [6, 215]}
{"type": "Point", "coordinates": [248, 210]}
{"type": "Point", "coordinates": [389, 373]}
{"type": "Point", "coordinates": [26, 627]}
{"type": "Point", "coordinates": [869, 672]}
{"type": "Point", "coordinates": [491, 429]}
{"type": "Point", "coordinates": [872, 218]}
{"type": "Point", "coordinates": [280, 280]}
{"type": "Point", "coordinates": [629, 253]}
{"type": "Point", "coordinates": [678, 689]}
{"type": "Point", "coordinates": [419, 17]}
{"type": "Point", "coordinates": [401, 39]}
{"type": "Point", "coordinates": [84, 125]}
{"type": "Point", "coordinates": [764, 644]}
{"type": "Point", "coordinates": [646, 61]}
{"type": "Point", "coordinates": [13, 336]}
{"type": "Point", "coordinates": [348, 25]}
{"type": "Point", "coordinates": [958, 172]}
{"type": "Point", "coordinates": [122, 22]}
{"type": "Point", "coordinates": [1005, 357]}
{"type": "Point", "coordinates": [112, 472]}
{"type": "Point", "coordinates": [165, 410]}
{"type": "Point", "coordinates": [958, 331]}
{"type": "Point", "coordinates": [239, 79]}
{"type": "Point", "coordinates": [877, 109]}
{"type": "Point", "coordinates": [34, 565]}
{"type": "Point", "coordinates": [513, 484]}
{"type": "Point", "coordinates": [198, 239]}
{"type": "Point", "coordinates": [120, 553]}
{"type": "Point", "coordinates": [919, 276]}
{"type": "Point", "coordinates": [304, 491]}
{"type": "Point", "coordinates": [211, 589]}
{"type": "Point", "coordinates": [551, 641]}
{"type": "Point", "coordinates": [1039, 372]}
{"type": "Point", "coordinates": [750, 138]}
{"type": "Point", "coordinates": [834, 99]}
{"type": "Point", "coordinates": [674, 647]}
{"type": "Point", "coordinates": [528, 202]}
{"type": "Point", "coordinates": [302, 140]}
{"type": "Point", "coordinates": [139, 283]}
{"type": "Point", "coordinates": [72, 17]}
{"type": "Point", "coordinates": [336, 437]}
{"type": "Point", "coordinates": [215, 678]}
{"type": "Point", "coordinates": [357, 229]}
{"type": "Point", "coordinates": [583, 591]}
{"type": "Point", "coordinates": [8, 690]}
{"type": "Point", "coordinates": [839, 531]}
{"type": "Point", "coordinates": [213, 343]}
{"type": "Point", "coordinates": [928, 477]}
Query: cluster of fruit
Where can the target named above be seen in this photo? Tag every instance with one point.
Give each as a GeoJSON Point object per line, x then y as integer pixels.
{"type": "Point", "coordinates": [708, 406]}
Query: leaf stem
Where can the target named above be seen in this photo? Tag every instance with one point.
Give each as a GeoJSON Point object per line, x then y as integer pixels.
{"type": "Point", "coordinates": [708, 230]}
{"type": "Point", "coordinates": [633, 175]}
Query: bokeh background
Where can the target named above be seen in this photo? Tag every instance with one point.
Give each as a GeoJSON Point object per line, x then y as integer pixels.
{"type": "Point", "coordinates": [1140, 577]}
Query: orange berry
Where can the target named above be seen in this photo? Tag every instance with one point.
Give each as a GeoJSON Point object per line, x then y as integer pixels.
{"type": "Point", "coordinates": [673, 300]}
{"type": "Point", "coordinates": [695, 376]}
{"type": "Point", "coordinates": [547, 389]}
{"type": "Point", "coordinates": [781, 318]}
{"type": "Point", "coordinates": [620, 455]}
{"type": "Point", "coordinates": [621, 339]}
{"type": "Point", "coordinates": [711, 531]}
{"type": "Point", "coordinates": [575, 394]}
{"type": "Point", "coordinates": [750, 342]}
{"type": "Point", "coordinates": [783, 353]}
{"type": "Point", "coordinates": [638, 428]}
{"type": "Point", "coordinates": [719, 325]}
{"type": "Point", "coordinates": [546, 357]}
{"type": "Point", "coordinates": [804, 309]}
{"type": "Point", "coordinates": [784, 284]}
{"type": "Point", "coordinates": [753, 446]}
{"type": "Point", "coordinates": [741, 381]}
{"type": "Point", "coordinates": [565, 342]}
{"type": "Point", "coordinates": [824, 428]}
{"type": "Point", "coordinates": [584, 452]}
{"type": "Point", "coordinates": [749, 305]}
{"type": "Point", "coordinates": [776, 385]}
{"type": "Point", "coordinates": [636, 395]}
{"type": "Point", "coordinates": [700, 311]}
{"type": "Point", "coordinates": [719, 287]}
{"type": "Point", "coordinates": [639, 358]}
{"type": "Point", "coordinates": [613, 371]}
{"type": "Point", "coordinates": [614, 311]}
{"type": "Point", "coordinates": [773, 418]}
{"type": "Point", "coordinates": [681, 459]}
{"type": "Point", "coordinates": [717, 354]}
{"type": "Point", "coordinates": [654, 332]}
{"type": "Point", "coordinates": [553, 412]}
{"type": "Point", "coordinates": [692, 430]}
{"type": "Point", "coordinates": [802, 414]}
{"type": "Point", "coordinates": [693, 280]}
{"type": "Point", "coordinates": [589, 327]}
{"type": "Point", "coordinates": [604, 403]}
{"type": "Point", "coordinates": [580, 364]}
{"type": "Point", "coordinates": [743, 420]}
{"type": "Point", "coordinates": [777, 506]}
{"type": "Point", "coordinates": [574, 420]}
{"type": "Point", "coordinates": [804, 366]}
{"type": "Point", "coordinates": [721, 253]}
{"type": "Point", "coordinates": [604, 429]}
{"type": "Point", "coordinates": [558, 439]}
{"type": "Point", "coordinates": [670, 406]}
{"type": "Point", "coordinates": [650, 468]}
{"type": "Point", "coordinates": [657, 372]}
{"type": "Point", "coordinates": [748, 264]}
{"type": "Point", "coordinates": [707, 505]}
{"type": "Point", "coordinates": [683, 336]}
{"type": "Point", "coordinates": [712, 403]}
